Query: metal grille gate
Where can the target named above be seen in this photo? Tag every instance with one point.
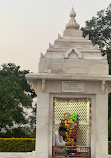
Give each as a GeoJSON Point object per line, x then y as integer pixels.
{"type": "Point", "coordinates": [71, 105]}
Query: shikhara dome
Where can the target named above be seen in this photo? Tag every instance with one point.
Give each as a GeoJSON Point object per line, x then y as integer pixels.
{"type": "Point", "coordinates": [72, 53]}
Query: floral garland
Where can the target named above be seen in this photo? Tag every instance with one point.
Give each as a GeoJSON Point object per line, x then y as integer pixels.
{"type": "Point", "coordinates": [71, 123]}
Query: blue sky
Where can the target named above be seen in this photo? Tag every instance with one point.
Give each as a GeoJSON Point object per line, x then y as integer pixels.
{"type": "Point", "coordinates": [27, 26]}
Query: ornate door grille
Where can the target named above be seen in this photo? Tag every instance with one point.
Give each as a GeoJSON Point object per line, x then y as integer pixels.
{"type": "Point", "coordinates": [70, 105]}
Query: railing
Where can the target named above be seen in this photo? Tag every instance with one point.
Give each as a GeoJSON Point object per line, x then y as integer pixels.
{"type": "Point", "coordinates": [70, 151]}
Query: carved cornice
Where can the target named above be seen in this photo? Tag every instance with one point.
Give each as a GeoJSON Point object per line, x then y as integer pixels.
{"type": "Point", "coordinates": [39, 76]}
{"type": "Point", "coordinates": [33, 84]}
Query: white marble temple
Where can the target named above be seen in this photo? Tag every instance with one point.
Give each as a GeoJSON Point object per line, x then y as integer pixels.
{"type": "Point", "coordinates": [72, 58]}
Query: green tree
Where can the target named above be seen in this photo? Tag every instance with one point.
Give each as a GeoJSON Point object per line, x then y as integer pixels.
{"type": "Point", "coordinates": [108, 51]}
{"type": "Point", "coordinates": [17, 132]}
{"type": "Point", "coordinates": [11, 68]}
{"type": "Point", "coordinates": [109, 129]}
{"type": "Point", "coordinates": [32, 120]}
{"type": "Point", "coordinates": [15, 95]}
{"type": "Point", "coordinates": [109, 96]}
{"type": "Point", "coordinates": [99, 29]}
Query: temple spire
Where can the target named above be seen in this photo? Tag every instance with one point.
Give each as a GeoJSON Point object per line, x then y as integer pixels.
{"type": "Point", "coordinates": [72, 22]}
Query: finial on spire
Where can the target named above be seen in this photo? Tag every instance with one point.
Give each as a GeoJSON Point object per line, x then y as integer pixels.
{"type": "Point", "coordinates": [72, 22]}
{"type": "Point", "coordinates": [72, 13]}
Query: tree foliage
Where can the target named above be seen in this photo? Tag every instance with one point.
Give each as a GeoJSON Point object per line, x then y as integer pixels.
{"type": "Point", "coordinates": [11, 68]}
{"type": "Point", "coordinates": [17, 132]}
{"type": "Point", "coordinates": [32, 118]}
{"type": "Point", "coordinates": [99, 29]}
{"type": "Point", "coordinates": [108, 51]}
{"type": "Point", "coordinates": [15, 94]}
{"type": "Point", "coordinates": [109, 129]}
{"type": "Point", "coordinates": [109, 96]}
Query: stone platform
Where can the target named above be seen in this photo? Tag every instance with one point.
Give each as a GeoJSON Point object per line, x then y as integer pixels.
{"type": "Point", "coordinates": [17, 155]}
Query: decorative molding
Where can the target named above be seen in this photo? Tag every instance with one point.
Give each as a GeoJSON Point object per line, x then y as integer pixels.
{"type": "Point", "coordinates": [50, 46]}
{"type": "Point", "coordinates": [96, 46]}
{"type": "Point", "coordinates": [33, 85]}
{"type": "Point", "coordinates": [42, 55]}
{"type": "Point", "coordinates": [105, 56]}
{"type": "Point", "coordinates": [109, 87]}
{"type": "Point", "coordinates": [87, 37]}
{"type": "Point", "coordinates": [73, 50]}
{"type": "Point", "coordinates": [103, 87]}
{"type": "Point", "coordinates": [59, 36]}
{"type": "Point", "coordinates": [43, 85]}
